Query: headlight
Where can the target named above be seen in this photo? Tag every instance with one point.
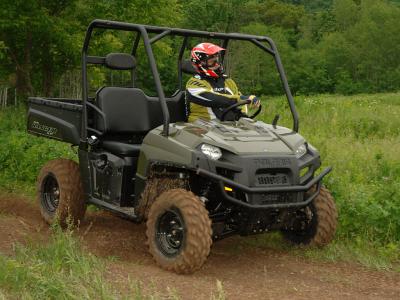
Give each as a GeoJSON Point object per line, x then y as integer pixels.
{"type": "Point", "coordinates": [211, 151]}
{"type": "Point", "coordinates": [301, 151]}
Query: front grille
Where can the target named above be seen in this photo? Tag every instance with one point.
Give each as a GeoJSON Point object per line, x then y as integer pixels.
{"type": "Point", "coordinates": [276, 198]}
{"type": "Point", "coordinates": [272, 177]}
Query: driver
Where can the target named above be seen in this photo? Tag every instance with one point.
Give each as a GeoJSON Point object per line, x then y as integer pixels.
{"type": "Point", "coordinates": [210, 91]}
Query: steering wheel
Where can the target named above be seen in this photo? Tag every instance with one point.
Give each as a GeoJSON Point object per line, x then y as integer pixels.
{"type": "Point", "coordinates": [256, 113]}
{"type": "Point", "coordinates": [239, 103]}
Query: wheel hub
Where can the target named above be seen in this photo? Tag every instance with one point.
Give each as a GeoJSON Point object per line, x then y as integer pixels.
{"type": "Point", "coordinates": [170, 233]}
{"type": "Point", "coordinates": [50, 193]}
{"type": "Point", "coordinates": [302, 220]}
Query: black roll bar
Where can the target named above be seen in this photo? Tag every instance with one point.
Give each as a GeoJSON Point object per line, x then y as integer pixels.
{"type": "Point", "coordinates": [157, 80]}
{"type": "Point", "coordinates": [143, 32]}
{"type": "Point", "coordinates": [160, 36]}
{"type": "Point", "coordinates": [181, 51]}
{"type": "Point", "coordinates": [225, 46]}
{"type": "Point", "coordinates": [135, 44]}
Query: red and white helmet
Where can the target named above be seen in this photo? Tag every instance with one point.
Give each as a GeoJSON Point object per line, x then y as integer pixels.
{"type": "Point", "coordinates": [206, 59]}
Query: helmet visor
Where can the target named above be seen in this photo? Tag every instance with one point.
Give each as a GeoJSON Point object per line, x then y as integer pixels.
{"type": "Point", "coordinates": [213, 61]}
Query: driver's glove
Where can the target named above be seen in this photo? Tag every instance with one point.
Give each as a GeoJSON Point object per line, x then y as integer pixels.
{"type": "Point", "coordinates": [255, 102]}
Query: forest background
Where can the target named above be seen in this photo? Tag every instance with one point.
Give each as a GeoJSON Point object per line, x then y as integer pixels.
{"type": "Point", "coordinates": [340, 46]}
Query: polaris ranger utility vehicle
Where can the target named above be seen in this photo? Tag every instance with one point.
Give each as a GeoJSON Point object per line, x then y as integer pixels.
{"type": "Point", "coordinates": [191, 182]}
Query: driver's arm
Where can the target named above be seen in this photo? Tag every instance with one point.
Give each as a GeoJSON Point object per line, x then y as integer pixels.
{"type": "Point", "coordinates": [200, 92]}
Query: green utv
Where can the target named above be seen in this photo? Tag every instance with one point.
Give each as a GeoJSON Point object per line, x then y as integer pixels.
{"type": "Point", "coordinates": [191, 182]}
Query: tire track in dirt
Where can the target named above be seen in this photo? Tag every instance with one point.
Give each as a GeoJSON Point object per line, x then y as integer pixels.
{"type": "Point", "coordinates": [245, 272]}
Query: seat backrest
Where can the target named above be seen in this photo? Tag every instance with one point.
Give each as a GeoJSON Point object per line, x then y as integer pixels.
{"type": "Point", "coordinates": [126, 110]}
{"type": "Point", "coordinates": [176, 107]}
{"type": "Point", "coordinates": [120, 61]}
{"type": "Point", "coordinates": [129, 110]}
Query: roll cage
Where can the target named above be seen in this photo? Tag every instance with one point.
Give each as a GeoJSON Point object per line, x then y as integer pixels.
{"type": "Point", "coordinates": [143, 31]}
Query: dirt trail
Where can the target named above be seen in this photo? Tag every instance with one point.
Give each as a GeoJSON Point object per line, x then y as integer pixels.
{"type": "Point", "coordinates": [254, 273]}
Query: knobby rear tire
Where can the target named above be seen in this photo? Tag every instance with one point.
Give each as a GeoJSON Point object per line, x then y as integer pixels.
{"type": "Point", "coordinates": [71, 206]}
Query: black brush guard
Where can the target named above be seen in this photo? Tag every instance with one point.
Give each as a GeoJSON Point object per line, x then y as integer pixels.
{"type": "Point", "coordinates": [221, 181]}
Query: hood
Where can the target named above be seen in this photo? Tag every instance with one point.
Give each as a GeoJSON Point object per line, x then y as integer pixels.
{"type": "Point", "coordinates": [245, 136]}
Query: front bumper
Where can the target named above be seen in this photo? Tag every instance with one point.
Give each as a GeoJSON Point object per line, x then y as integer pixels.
{"type": "Point", "coordinates": [221, 181]}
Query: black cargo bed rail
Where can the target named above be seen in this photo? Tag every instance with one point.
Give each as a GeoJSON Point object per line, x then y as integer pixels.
{"type": "Point", "coordinates": [64, 103]}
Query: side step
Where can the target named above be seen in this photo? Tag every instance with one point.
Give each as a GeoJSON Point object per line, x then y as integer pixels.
{"type": "Point", "coordinates": [125, 212]}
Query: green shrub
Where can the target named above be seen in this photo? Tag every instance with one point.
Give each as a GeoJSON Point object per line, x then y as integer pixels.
{"type": "Point", "coordinates": [22, 155]}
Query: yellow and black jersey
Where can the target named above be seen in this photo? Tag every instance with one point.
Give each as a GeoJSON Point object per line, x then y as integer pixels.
{"type": "Point", "coordinates": [208, 97]}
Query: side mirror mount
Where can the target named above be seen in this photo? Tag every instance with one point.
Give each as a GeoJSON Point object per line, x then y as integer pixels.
{"type": "Point", "coordinates": [275, 121]}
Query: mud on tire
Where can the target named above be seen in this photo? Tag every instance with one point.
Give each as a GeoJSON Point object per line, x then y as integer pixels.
{"type": "Point", "coordinates": [321, 227]}
{"type": "Point", "coordinates": [185, 250]}
{"type": "Point", "coordinates": [155, 186]}
{"type": "Point", "coordinates": [60, 192]}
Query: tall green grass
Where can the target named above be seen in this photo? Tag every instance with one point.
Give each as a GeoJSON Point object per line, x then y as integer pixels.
{"type": "Point", "coordinates": [59, 269]}
{"type": "Point", "coordinates": [358, 135]}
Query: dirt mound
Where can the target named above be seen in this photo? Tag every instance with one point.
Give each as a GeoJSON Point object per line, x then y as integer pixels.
{"type": "Point", "coordinates": [245, 271]}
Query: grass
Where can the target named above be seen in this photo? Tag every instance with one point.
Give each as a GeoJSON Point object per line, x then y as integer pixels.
{"type": "Point", "coordinates": [58, 270]}
{"type": "Point", "coordinates": [61, 269]}
{"type": "Point", "coordinates": [366, 253]}
{"type": "Point", "coordinates": [22, 155]}
{"type": "Point", "coordinates": [358, 135]}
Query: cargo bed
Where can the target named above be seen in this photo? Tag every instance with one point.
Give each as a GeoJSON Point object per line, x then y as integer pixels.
{"type": "Point", "coordinates": [55, 118]}
{"type": "Point", "coordinates": [60, 118]}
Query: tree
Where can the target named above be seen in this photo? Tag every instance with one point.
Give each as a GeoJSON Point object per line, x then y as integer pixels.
{"type": "Point", "coordinates": [326, 45]}
{"type": "Point", "coordinates": [39, 42]}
